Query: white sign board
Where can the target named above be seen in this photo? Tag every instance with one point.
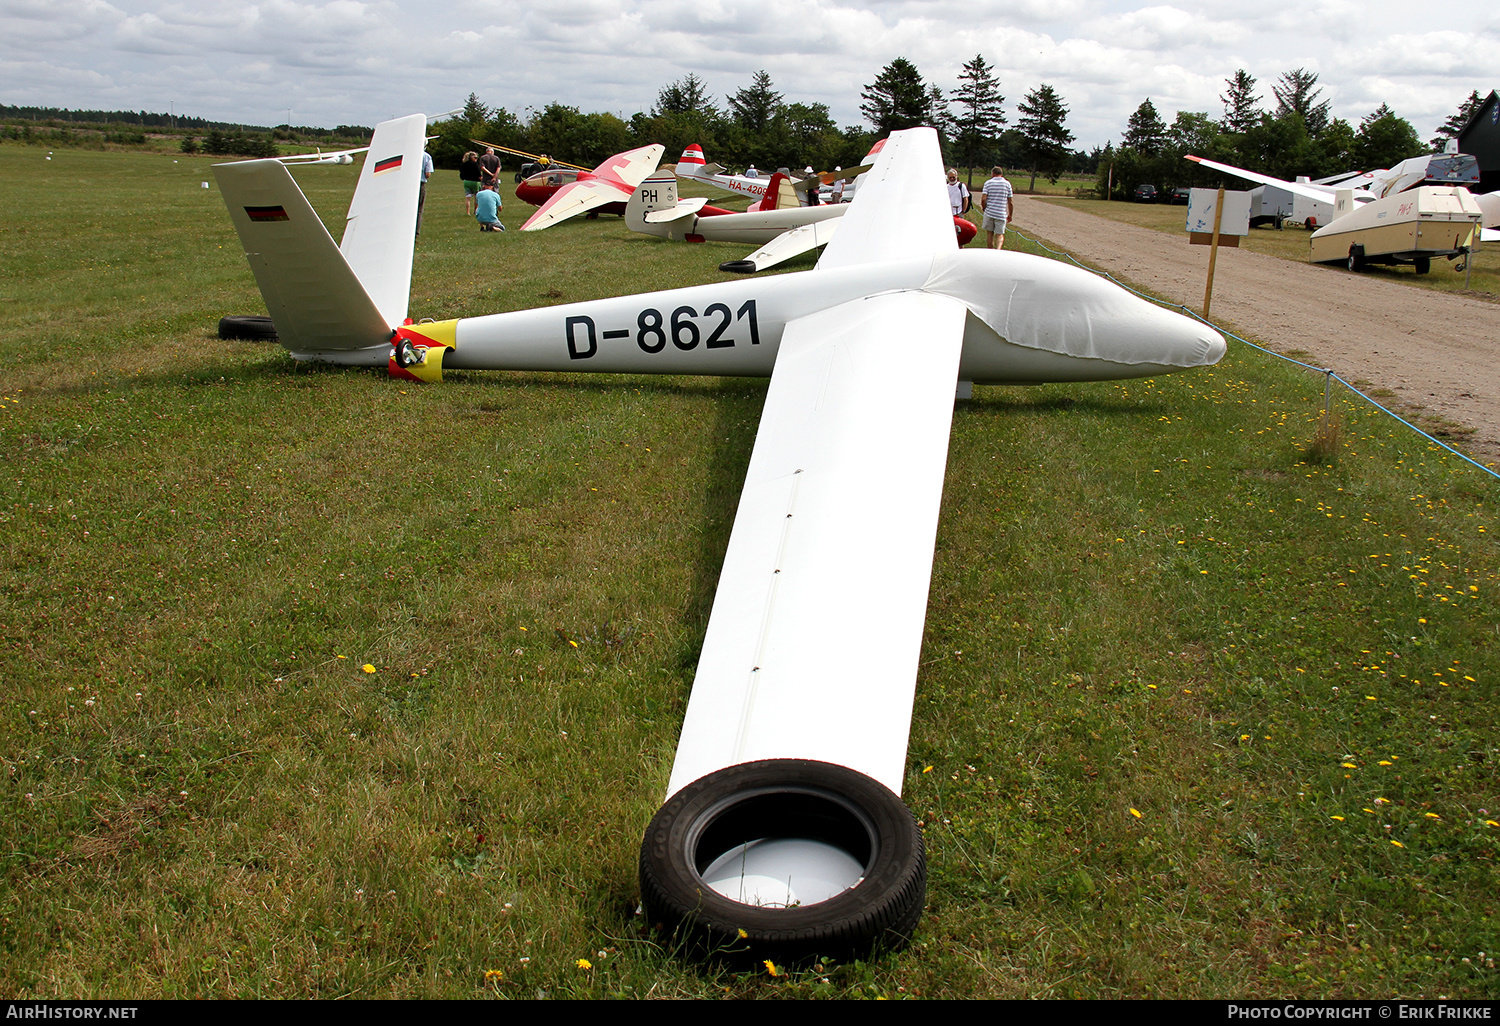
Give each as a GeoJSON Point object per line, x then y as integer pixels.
{"type": "Point", "coordinates": [1201, 204]}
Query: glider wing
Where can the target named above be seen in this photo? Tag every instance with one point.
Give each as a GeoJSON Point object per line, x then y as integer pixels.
{"type": "Point", "coordinates": [896, 212]}
{"type": "Point", "coordinates": [1307, 190]}
{"type": "Point", "coordinates": [789, 244]}
{"type": "Point", "coordinates": [812, 647]}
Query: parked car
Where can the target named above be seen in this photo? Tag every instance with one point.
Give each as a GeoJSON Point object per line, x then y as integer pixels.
{"type": "Point", "coordinates": [1180, 195]}
{"type": "Point", "coordinates": [1145, 194]}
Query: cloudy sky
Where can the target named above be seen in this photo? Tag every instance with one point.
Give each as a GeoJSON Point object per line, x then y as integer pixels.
{"type": "Point", "coordinates": [356, 62]}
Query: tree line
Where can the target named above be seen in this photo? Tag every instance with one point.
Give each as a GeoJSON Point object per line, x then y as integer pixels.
{"type": "Point", "coordinates": [757, 126]}
{"type": "Point", "coordinates": [1296, 137]}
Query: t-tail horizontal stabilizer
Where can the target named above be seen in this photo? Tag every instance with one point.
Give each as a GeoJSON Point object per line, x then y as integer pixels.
{"type": "Point", "coordinates": [329, 301]}
{"type": "Point", "coordinates": [315, 299]}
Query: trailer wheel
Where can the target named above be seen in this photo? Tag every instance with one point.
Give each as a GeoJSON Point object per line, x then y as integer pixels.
{"type": "Point", "coordinates": [852, 851]}
{"type": "Point", "coordinates": [1356, 258]}
{"type": "Point", "coordinates": [1423, 264]}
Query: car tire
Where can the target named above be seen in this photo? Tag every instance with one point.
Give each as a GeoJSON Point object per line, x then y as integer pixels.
{"type": "Point", "coordinates": [727, 811]}
{"type": "Point", "coordinates": [257, 328]}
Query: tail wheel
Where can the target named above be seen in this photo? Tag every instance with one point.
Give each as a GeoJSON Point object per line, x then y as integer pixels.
{"type": "Point", "coordinates": [784, 859]}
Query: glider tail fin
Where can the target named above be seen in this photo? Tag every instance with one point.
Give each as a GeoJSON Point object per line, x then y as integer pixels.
{"type": "Point", "coordinates": [314, 297]}
{"type": "Point", "coordinates": [381, 229]}
{"type": "Point", "coordinates": [690, 164]}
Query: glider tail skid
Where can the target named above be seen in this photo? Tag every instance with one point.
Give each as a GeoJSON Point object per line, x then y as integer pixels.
{"type": "Point", "coordinates": [330, 302]}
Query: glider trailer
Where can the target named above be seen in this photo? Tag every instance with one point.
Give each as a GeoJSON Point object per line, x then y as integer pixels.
{"type": "Point", "coordinates": [782, 833]}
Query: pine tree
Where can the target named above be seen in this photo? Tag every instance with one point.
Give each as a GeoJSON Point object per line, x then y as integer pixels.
{"type": "Point", "coordinates": [897, 99]}
{"type": "Point", "coordinates": [1241, 108]}
{"type": "Point", "coordinates": [1450, 128]}
{"type": "Point", "coordinates": [756, 105]}
{"type": "Point", "coordinates": [685, 96]}
{"type": "Point", "coordinates": [981, 114]}
{"type": "Point", "coordinates": [1044, 138]}
{"type": "Point", "coordinates": [1146, 132]}
{"type": "Point", "coordinates": [1296, 93]}
{"type": "Point", "coordinates": [474, 112]}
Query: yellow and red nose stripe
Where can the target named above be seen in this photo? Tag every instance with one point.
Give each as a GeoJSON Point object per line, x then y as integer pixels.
{"type": "Point", "coordinates": [429, 339]}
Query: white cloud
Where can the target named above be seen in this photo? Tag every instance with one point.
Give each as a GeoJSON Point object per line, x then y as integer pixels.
{"type": "Point", "coordinates": [359, 61]}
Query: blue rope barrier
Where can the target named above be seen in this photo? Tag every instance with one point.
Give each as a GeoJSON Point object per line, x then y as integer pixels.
{"type": "Point", "coordinates": [1229, 334]}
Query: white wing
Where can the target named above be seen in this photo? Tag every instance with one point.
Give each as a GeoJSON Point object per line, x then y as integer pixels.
{"type": "Point", "coordinates": [901, 209]}
{"type": "Point", "coordinates": [811, 651]}
{"type": "Point", "coordinates": [789, 244]}
{"type": "Point", "coordinates": [1307, 190]}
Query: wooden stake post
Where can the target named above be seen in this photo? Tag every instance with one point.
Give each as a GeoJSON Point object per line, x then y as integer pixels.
{"type": "Point", "coordinates": [1213, 252]}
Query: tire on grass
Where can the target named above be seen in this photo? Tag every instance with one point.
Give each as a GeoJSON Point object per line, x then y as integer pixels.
{"type": "Point", "coordinates": [257, 328]}
{"type": "Point", "coordinates": [727, 812]}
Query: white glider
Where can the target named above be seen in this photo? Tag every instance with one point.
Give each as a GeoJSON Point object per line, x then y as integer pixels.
{"type": "Point", "coordinates": [692, 166]}
{"type": "Point", "coordinates": [782, 830]}
{"type": "Point", "coordinates": [1391, 217]}
{"type": "Point", "coordinates": [783, 233]}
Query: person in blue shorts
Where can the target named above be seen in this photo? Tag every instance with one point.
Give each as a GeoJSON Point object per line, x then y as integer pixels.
{"type": "Point", "coordinates": [488, 209]}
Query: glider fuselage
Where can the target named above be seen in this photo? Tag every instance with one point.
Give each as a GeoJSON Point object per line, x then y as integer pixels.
{"type": "Point", "coordinates": [1053, 312]}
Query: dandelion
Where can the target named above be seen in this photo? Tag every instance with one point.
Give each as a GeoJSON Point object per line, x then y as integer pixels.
{"type": "Point", "coordinates": [1339, 818]}
{"type": "Point", "coordinates": [741, 930]}
{"type": "Point", "coordinates": [584, 963]}
{"type": "Point", "coordinates": [1348, 765]}
{"type": "Point", "coordinates": [771, 967]}
{"type": "Point", "coordinates": [1432, 815]}
{"type": "Point", "coordinates": [493, 975]}
{"type": "Point", "coordinates": [368, 668]}
{"type": "Point", "coordinates": [1397, 843]}
{"type": "Point", "coordinates": [1135, 813]}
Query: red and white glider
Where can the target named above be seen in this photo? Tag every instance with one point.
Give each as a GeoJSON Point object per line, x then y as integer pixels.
{"type": "Point", "coordinates": [611, 182]}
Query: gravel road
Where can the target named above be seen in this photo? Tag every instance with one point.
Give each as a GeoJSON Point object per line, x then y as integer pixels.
{"type": "Point", "coordinates": [1438, 352]}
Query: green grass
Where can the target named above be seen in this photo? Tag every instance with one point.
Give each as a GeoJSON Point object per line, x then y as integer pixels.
{"type": "Point", "coordinates": [1483, 279]}
{"type": "Point", "coordinates": [1144, 598]}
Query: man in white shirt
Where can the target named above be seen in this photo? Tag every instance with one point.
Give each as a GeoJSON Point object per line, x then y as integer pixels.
{"type": "Point", "coordinates": [958, 192]}
{"type": "Point", "coordinates": [999, 206]}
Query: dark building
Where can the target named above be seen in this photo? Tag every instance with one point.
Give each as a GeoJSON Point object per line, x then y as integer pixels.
{"type": "Point", "coordinates": [1481, 137]}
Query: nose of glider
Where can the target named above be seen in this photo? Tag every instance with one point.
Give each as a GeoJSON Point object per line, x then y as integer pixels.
{"type": "Point", "coordinates": [1054, 307]}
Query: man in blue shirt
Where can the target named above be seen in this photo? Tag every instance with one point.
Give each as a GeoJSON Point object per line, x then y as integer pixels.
{"type": "Point", "coordinates": [487, 211]}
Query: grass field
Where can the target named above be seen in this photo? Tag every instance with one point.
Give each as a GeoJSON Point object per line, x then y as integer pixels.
{"type": "Point", "coordinates": [320, 685]}
{"type": "Point", "coordinates": [1290, 243]}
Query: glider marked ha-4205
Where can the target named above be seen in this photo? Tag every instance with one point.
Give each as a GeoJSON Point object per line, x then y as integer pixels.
{"type": "Point", "coordinates": [782, 833]}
